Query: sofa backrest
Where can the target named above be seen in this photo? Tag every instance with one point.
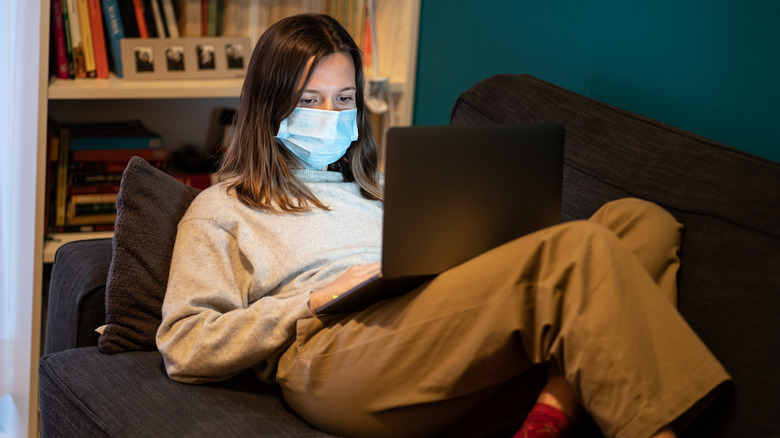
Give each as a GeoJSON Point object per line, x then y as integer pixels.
{"type": "Point", "coordinates": [728, 201]}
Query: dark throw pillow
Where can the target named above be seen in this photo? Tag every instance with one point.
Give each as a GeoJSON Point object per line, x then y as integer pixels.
{"type": "Point", "coordinates": [149, 207]}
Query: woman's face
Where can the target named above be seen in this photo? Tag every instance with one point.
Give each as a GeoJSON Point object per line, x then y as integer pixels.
{"type": "Point", "coordinates": [332, 85]}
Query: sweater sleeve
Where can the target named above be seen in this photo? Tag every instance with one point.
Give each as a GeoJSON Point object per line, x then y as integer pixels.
{"type": "Point", "coordinates": [210, 330]}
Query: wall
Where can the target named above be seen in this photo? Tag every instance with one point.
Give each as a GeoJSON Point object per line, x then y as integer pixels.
{"type": "Point", "coordinates": [711, 67]}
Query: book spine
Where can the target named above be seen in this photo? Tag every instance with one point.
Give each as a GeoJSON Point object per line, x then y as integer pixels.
{"type": "Point", "coordinates": [211, 22]}
{"type": "Point", "coordinates": [140, 19]}
{"type": "Point", "coordinates": [84, 228]}
{"type": "Point", "coordinates": [99, 39]}
{"type": "Point", "coordinates": [59, 40]}
{"type": "Point", "coordinates": [62, 178]}
{"type": "Point", "coordinates": [127, 15]}
{"type": "Point", "coordinates": [158, 20]}
{"type": "Point", "coordinates": [79, 62]}
{"type": "Point", "coordinates": [259, 17]}
{"type": "Point", "coordinates": [94, 188]}
{"type": "Point", "coordinates": [149, 17]}
{"type": "Point", "coordinates": [118, 155]}
{"type": "Point", "coordinates": [91, 219]}
{"type": "Point", "coordinates": [86, 177]}
{"type": "Point", "coordinates": [68, 37]}
{"type": "Point", "coordinates": [93, 198]}
{"type": "Point", "coordinates": [170, 19]}
{"type": "Point", "coordinates": [115, 31]}
{"type": "Point", "coordinates": [115, 143]}
{"type": "Point", "coordinates": [204, 17]}
{"type": "Point", "coordinates": [86, 37]}
{"type": "Point", "coordinates": [192, 18]}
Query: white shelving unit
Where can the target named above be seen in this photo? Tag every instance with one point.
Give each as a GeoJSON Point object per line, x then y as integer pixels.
{"type": "Point", "coordinates": [117, 88]}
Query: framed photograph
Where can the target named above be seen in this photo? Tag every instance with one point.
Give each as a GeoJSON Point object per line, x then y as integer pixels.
{"type": "Point", "coordinates": [185, 58]}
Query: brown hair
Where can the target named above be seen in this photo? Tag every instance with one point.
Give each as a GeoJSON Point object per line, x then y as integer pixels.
{"type": "Point", "coordinates": [262, 167]}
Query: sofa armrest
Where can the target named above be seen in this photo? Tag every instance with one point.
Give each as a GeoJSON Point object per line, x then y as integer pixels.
{"type": "Point", "coordinates": [77, 294]}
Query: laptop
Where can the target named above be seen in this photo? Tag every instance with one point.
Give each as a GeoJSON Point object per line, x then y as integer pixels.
{"type": "Point", "coordinates": [453, 192]}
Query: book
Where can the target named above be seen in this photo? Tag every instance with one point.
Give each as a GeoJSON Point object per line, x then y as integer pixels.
{"type": "Point", "coordinates": [127, 15]}
{"type": "Point", "coordinates": [87, 177]}
{"type": "Point", "coordinates": [52, 155]}
{"type": "Point", "coordinates": [140, 18]}
{"type": "Point", "coordinates": [87, 39]}
{"type": "Point", "coordinates": [170, 18]}
{"type": "Point", "coordinates": [129, 134]}
{"type": "Point", "coordinates": [210, 17]}
{"type": "Point", "coordinates": [204, 18]}
{"type": "Point", "coordinates": [77, 45]}
{"type": "Point", "coordinates": [58, 38]}
{"type": "Point", "coordinates": [159, 26]}
{"type": "Point", "coordinates": [258, 18]}
{"type": "Point", "coordinates": [62, 177]}
{"type": "Point", "coordinates": [151, 25]}
{"type": "Point", "coordinates": [93, 188]}
{"type": "Point", "coordinates": [99, 40]}
{"type": "Point", "coordinates": [68, 38]}
{"type": "Point", "coordinates": [231, 18]}
{"type": "Point", "coordinates": [115, 31]}
{"type": "Point", "coordinates": [91, 209]}
{"type": "Point", "coordinates": [90, 156]}
{"type": "Point", "coordinates": [190, 18]}
{"type": "Point", "coordinates": [200, 181]}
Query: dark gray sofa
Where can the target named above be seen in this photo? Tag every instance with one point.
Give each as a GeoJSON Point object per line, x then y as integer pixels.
{"type": "Point", "coordinates": [729, 281]}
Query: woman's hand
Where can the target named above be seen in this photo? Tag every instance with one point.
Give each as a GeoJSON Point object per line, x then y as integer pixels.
{"type": "Point", "coordinates": [353, 277]}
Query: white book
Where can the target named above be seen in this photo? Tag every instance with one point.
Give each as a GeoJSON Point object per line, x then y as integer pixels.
{"type": "Point", "coordinates": [232, 17]}
{"type": "Point", "coordinates": [158, 22]}
{"type": "Point", "coordinates": [170, 18]}
{"type": "Point", "coordinates": [259, 17]}
{"type": "Point", "coordinates": [192, 18]}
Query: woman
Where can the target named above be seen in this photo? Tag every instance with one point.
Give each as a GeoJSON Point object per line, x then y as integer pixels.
{"type": "Point", "coordinates": [299, 222]}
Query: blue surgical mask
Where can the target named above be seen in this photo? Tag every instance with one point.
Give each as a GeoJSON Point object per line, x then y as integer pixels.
{"type": "Point", "coordinates": [318, 137]}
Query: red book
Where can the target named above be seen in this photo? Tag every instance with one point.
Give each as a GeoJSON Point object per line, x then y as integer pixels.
{"type": "Point", "coordinates": [140, 18]}
{"type": "Point", "coordinates": [91, 156]}
{"type": "Point", "coordinates": [204, 23]}
{"type": "Point", "coordinates": [59, 39]}
{"type": "Point", "coordinates": [99, 40]}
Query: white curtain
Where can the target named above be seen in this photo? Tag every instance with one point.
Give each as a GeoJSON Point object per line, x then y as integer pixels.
{"type": "Point", "coordinates": [6, 200]}
{"type": "Point", "coordinates": [20, 33]}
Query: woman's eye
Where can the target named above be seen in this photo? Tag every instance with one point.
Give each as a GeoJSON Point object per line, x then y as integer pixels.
{"type": "Point", "coordinates": [308, 101]}
{"type": "Point", "coordinates": [345, 99]}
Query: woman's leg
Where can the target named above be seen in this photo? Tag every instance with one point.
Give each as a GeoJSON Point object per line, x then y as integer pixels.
{"type": "Point", "coordinates": [571, 295]}
{"type": "Point", "coordinates": [653, 237]}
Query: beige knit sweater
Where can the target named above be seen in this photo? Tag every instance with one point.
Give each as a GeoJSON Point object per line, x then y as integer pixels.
{"type": "Point", "coordinates": [240, 278]}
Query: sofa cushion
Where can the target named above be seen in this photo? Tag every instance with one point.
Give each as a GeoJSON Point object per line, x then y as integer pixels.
{"type": "Point", "coordinates": [149, 207]}
{"type": "Point", "coordinates": [729, 279]}
{"type": "Point", "coordinates": [86, 393]}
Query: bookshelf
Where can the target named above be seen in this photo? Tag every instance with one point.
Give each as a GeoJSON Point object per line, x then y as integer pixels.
{"type": "Point", "coordinates": [182, 110]}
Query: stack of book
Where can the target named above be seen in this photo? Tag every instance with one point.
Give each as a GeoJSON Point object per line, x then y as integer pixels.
{"type": "Point", "coordinates": [90, 159]}
{"type": "Point", "coordinates": [86, 34]}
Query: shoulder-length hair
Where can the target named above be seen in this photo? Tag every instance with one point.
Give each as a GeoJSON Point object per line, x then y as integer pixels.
{"type": "Point", "coordinates": [260, 167]}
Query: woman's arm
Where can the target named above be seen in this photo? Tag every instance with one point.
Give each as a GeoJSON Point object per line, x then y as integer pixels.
{"type": "Point", "coordinates": [351, 278]}
{"type": "Point", "coordinates": [210, 331]}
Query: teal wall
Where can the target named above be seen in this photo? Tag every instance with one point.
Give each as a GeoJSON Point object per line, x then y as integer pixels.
{"type": "Point", "coordinates": [708, 66]}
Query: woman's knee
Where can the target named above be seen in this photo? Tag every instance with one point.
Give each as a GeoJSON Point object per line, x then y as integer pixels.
{"type": "Point", "coordinates": [621, 214]}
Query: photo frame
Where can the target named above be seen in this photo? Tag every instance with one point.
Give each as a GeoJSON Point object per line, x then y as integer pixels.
{"type": "Point", "coordinates": [185, 58]}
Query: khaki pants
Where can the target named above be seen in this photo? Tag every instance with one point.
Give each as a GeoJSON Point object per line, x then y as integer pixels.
{"type": "Point", "coordinates": [592, 299]}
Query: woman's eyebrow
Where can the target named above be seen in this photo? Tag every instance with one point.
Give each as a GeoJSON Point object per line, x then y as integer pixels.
{"type": "Point", "coordinates": [347, 88]}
